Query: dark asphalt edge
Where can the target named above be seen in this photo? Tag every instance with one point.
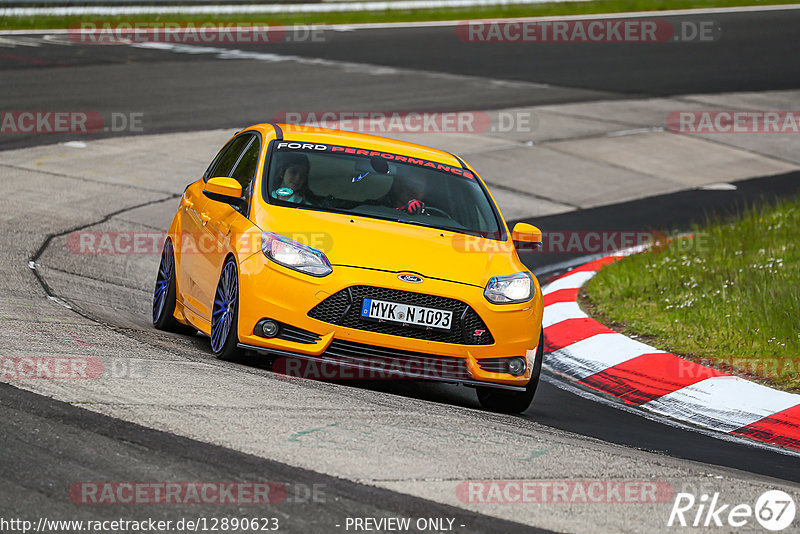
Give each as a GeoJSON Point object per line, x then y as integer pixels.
{"type": "Point", "coordinates": [243, 464]}
{"type": "Point", "coordinates": [608, 399]}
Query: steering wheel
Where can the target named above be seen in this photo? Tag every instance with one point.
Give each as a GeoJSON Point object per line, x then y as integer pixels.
{"type": "Point", "coordinates": [430, 210]}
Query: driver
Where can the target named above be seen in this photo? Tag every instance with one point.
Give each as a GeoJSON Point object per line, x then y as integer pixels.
{"type": "Point", "coordinates": [293, 179]}
{"type": "Point", "coordinates": [407, 193]}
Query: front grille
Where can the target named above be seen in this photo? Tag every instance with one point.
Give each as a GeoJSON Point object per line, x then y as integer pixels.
{"type": "Point", "coordinates": [493, 365]}
{"type": "Point", "coordinates": [343, 308]}
{"type": "Point", "coordinates": [398, 361]}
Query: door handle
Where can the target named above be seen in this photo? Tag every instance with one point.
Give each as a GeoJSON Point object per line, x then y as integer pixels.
{"type": "Point", "coordinates": [187, 203]}
{"type": "Point", "coordinates": [205, 218]}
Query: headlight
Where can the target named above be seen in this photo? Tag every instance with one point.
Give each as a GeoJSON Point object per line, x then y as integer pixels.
{"type": "Point", "coordinates": [294, 255]}
{"type": "Point", "coordinates": [509, 289]}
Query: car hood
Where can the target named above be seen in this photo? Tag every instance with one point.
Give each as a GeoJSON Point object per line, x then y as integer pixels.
{"type": "Point", "coordinates": [395, 247]}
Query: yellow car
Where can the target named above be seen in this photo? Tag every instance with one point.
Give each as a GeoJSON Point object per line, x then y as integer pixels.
{"type": "Point", "coordinates": [356, 251]}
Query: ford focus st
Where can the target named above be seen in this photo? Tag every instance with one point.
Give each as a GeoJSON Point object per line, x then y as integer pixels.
{"type": "Point", "coordinates": [325, 246]}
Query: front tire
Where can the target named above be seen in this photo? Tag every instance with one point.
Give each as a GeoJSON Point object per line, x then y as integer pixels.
{"type": "Point", "coordinates": [504, 401]}
{"type": "Point", "coordinates": [225, 314]}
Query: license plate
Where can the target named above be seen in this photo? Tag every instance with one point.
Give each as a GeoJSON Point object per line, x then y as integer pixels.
{"type": "Point", "coordinates": [406, 314]}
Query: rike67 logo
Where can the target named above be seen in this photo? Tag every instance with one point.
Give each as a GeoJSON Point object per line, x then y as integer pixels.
{"type": "Point", "coordinates": [774, 510]}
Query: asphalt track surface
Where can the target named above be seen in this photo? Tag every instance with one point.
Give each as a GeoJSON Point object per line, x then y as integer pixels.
{"type": "Point", "coordinates": [192, 92]}
{"type": "Point", "coordinates": [756, 51]}
{"type": "Point", "coordinates": [37, 429]}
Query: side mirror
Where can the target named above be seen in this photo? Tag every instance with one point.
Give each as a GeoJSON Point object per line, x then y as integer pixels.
{"type": "Point", "coordinates": [225, 190]}
{"type": "Point", "coordinates": [524, 233]}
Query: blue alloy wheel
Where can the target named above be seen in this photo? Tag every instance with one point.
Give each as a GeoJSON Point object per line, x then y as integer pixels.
{"type": "Point", "coordinates": [224, 314]}
{"type": "Point", "coordinates": [166, 272]}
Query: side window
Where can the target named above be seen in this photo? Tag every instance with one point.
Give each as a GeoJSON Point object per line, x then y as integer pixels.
{"type": "Point", "coordinates": [246, 168]}
{"type": "Point", "coordinates": [230, 155]}
{"type": "Point", "coordinates": [215, 161]}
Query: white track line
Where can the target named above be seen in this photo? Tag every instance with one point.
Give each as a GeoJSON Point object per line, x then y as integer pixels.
{"type": "Point", "coordinates": [362, 6]}
{"type": "Point", "coordinates": [332, 7]}
{"type": "Point", "coordinates": [365, 68]}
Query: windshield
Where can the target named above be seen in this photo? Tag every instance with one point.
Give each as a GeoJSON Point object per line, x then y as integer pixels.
{"type": "Point", "coordinates": [379, 185]}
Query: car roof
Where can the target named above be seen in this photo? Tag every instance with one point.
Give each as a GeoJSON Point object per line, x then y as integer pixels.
{"type": "Point", "coordinates": [314, 134]}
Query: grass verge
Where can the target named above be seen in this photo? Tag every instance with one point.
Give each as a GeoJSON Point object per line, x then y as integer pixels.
{"type": "Point", "coordinates": [509, 11]}
{"type": "Point", "coordinates": [727, 297]}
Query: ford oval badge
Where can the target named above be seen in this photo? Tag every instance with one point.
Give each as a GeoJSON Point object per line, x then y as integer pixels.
{"type": "Point", "coordinates": [413, 279]}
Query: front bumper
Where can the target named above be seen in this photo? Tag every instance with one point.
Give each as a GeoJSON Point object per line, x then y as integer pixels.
{"type": "Point", "coordinates": [268, 290]}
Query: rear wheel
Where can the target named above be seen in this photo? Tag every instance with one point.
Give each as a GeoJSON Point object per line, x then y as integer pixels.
{"type": "Point", "coordinates": [505, 401]}
{"type": "Point", "coordinates": [225, 314]}
{"type": "Point", "coordinates": [164, 294]}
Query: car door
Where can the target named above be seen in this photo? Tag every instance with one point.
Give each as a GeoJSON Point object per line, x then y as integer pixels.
{"type": "Point", "coordinates": [199, 265]}
{"type": "Point", "coordinates": [228, 222]}
{"type": "Point", "coordinates": [192, 203]}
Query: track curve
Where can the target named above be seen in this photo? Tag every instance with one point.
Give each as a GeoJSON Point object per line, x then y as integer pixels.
{"type": "Point", "coordinates": [429, 438]}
